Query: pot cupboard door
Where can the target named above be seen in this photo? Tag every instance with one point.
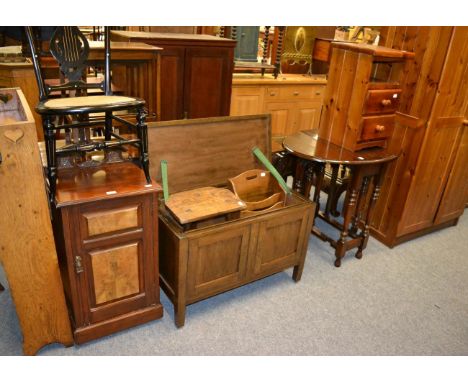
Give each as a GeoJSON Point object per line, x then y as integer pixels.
{"type": "Point", "coordinates": [217, 261]}
{"type": "Point", "coordinates": [116, 265]}
{"type": "Point", "coordinates": [279, 245]}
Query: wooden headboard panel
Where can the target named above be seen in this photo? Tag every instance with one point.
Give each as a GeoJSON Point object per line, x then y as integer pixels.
{"type": "Point", "coordinates": [206, 151]}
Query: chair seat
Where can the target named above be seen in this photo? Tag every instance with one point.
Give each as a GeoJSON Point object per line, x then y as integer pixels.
{"type": "Point", "coordinates": [86, 104]}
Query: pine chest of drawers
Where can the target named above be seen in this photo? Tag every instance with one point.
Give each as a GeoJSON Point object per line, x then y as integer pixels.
{"type": "Point", "coordinates": [362, 95]}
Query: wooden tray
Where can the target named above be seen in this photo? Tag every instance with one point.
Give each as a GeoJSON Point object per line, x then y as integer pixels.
{"type": "Point", "coordinates": [203, 203]}
{"type": "Point", "coordinates": [258, 189]}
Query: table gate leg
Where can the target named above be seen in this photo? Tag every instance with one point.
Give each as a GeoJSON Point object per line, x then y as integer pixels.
{"type": "Point", "coordinates": [348, 213]}
{"type": "Point", "coordinates": [375, 196]}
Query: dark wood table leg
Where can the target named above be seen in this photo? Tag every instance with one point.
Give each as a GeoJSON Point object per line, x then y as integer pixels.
{"type": "Point", "coordinates": [375, 196]}
{"type": "Point", "coordinates": [319, 170]}
{"type": "Point", "coordinates": [332, 188]}
{"type": "Point", "coordinates": [299, 173]}
{"type": "Point", "coordinates": [348, 213]}
{"type": "Point", "coordinates": [360, 205]}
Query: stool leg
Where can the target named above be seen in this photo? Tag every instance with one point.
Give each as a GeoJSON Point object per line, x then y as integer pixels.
{"type": "Point", "coordinates": [142, 131]}
{"type": "Point", "coordinates": [49, 135]}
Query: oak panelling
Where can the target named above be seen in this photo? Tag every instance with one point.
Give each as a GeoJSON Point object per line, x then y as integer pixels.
{"type": "Point", "coordinates": [179, 142]}
{"type": "Point", "coordinates": [27, 250]}
{"type": "Point", "coordinates": [217, 261]}
{"type": "Point", "coordinates": [282, 117]}
{"type": "Point", "coordinates": [280, 242]}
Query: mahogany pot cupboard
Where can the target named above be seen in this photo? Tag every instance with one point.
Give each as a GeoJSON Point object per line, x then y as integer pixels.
{"type": "Point", "coordinates": [105, 223]}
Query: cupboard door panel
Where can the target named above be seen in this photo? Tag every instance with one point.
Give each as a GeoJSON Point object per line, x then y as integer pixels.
{"type": "Point", "coordinates": [172, 85]}
{"type": "Point", "coordinates": [282, 117]}
{"type": "Point", "coordinates": [307, 116]}
{"type": "Point", "coordinates": [454, 196]}
{"type": "Point", "coordinates": [246, 101]}
{"type": "Point", "coordinates": [208, 79]}
{"type": "Point", "coordinates": [278, 242]}
{"type": "Point", "coordinates": [217, 261]}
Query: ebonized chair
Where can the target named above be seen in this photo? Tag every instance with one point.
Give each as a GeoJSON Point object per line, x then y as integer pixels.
{"type": "Point", "coordinates": [70, 48]}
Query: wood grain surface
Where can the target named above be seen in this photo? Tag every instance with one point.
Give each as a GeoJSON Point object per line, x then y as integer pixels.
{"type": "Point", "coordinates": [203, 203]}
{"type": "Point", "coordinates": [27, 249]}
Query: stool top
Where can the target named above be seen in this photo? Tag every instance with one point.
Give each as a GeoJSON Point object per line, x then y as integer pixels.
{"type": "Point", "coordinates": [203, 203]}
{"type": "Point", "coordinates": [307, 145]}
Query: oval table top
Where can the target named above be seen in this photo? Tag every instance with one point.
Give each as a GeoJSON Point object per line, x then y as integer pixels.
{"type": "Point", "coordinates": [307, 145]}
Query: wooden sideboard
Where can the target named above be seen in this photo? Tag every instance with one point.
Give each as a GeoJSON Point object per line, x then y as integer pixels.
{"type": "Point", "coordinates": [293, 100]}
{"type": "Point", "coordinates": [424, 189]}
{"type": "Point", "coordinates": [135, 72]}
{"type": "Point", "coordinates": [196, 72]}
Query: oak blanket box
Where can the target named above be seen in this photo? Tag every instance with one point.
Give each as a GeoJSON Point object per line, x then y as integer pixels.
{"type": "Point", "coordinates": [221, 255]}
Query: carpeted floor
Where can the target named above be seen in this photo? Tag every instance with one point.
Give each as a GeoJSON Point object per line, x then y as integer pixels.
{"type": "Point", "coordinates": [410, 300]}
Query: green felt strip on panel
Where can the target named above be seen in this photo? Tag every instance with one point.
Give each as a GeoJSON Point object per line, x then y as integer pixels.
{"type": "Point", "coordinates": [258, 153]}
{"type": "Point", "coordinates": [165, 185]}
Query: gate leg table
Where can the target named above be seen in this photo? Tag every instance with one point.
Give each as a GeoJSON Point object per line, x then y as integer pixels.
{"type": "Point", "coordinates": [365, 168]}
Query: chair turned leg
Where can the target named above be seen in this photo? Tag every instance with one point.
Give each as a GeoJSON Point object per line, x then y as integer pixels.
{"type": "Point", "coordinates": [142, 131]}
{"type": "Point", "coordinates": [49, 135]}
{"type": "Point", "coordinates": [108, 126]}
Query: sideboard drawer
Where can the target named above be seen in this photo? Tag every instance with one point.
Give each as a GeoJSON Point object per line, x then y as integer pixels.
{"type": "Point", "coordinates": [377, 127]}
{"type": "Point", "coordinates": [307, 92]}
{"type": "Point", "coordinates": [382, 101]}
{"type": "Point", "coordinates": [109, 220]}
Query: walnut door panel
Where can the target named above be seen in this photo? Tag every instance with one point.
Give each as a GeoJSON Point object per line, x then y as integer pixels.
{"type": "Point", "coordinates": [217, 261]}
{"type": "Point", "coordinates": [118, 219]}
{"type": "Point", "coordinates": [208, 79]}
{"type": "Point", "coordinates": [279, 244]}
{"type": "Point", "coordinates": [114, 280]}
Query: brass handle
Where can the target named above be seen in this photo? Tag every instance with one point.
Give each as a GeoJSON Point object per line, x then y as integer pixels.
{"type": "Point", "coordinates": [272, 94]}
{"type": "Point", "coordinates": [386, 102]}
{"type": "Point", "coordinates": [296, 93]}
{"type": "Point", "coordinates": [317, 93]}
{"type": "Point", "coordinates": [379, 128]}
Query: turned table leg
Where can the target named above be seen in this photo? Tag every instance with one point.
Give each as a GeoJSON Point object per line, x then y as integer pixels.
{"type": "Point", "coordinates": [348, 213]}
{"type": "Point", "coordinates": [375, 196]}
